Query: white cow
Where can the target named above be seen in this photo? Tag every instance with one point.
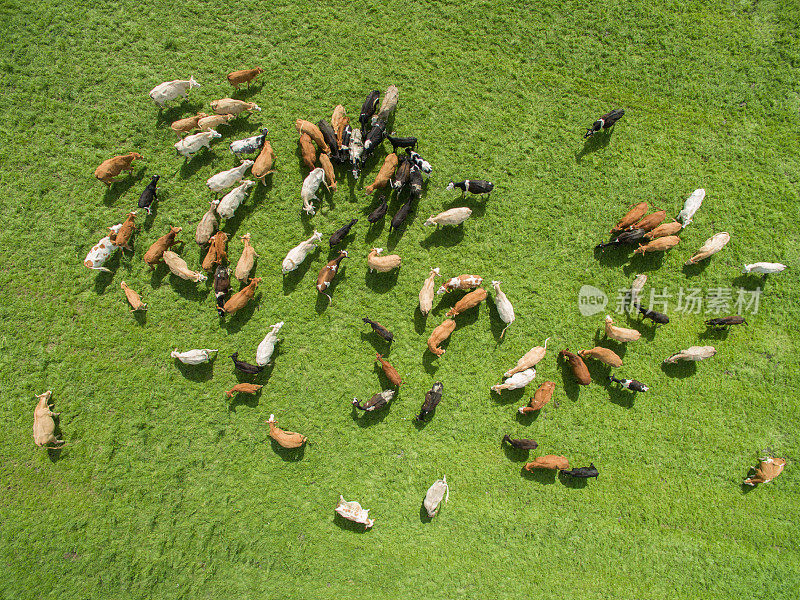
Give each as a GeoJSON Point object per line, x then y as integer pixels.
{"type": "Point", "coordinates": [764, 268]}
{"type": "Point", "coordinates": [100, 252]}
{"type": "Point", "coordinates": [192, 143]}
{"type": "Point", "coordinates": [170, 90]}
{"type": "Point", "coordinates": [691, 205]}
{"type": "Point", "coordinates": [310, 186]}
{"type": "Point", "coordinates": [225, 179]}
{"type": "Point", "coordinates": [298, 254]}
{"type": "Point", "coordinates": [231, 201]}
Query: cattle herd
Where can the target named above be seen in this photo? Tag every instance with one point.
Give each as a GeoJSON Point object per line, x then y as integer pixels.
{"type": "Point", "coordinates": [336, 142]}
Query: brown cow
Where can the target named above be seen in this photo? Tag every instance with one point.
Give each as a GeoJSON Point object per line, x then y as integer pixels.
{"type": "Point", "coordinates": [579, 369]}
{"type": "Point", "coordinates": [240, 299]}
{"type": "Point", "coordinates": [186, 125]}
{"type": "Point", "coordinates": [155, 254]}
{"type": "Point", "coordinates": [652, 220]}
{"type": "Point", "coordinates": [328, 272]}
{"type": "Point", "coordinates": [112, 167]}
{"type": "Point", "coordinates": [471, 300]}
{"type": "Point", "coordinates": [658, 245]}
{"type": "Point", "coordinates": [440, 334]}
{"type": "Point", "coordinates": [540, 398]}
{"type": "Point", "coordinates": [307, 151]}
{"type": "Point", "coordinates": [633, 215]}
{"type": "Point", "coordinates": [767, 470]}
{"type": "Point", "coordinates": [327, 166]}
{"type": "Point", "coordinates": [390, 371]}
{"type": "Point", "coordinates": [664, 230]}
{"type": "Point", "coordinates": [604, 355]}
{"type": "Point", "coordinates": [312, 130]}
{"type": "Point", "coordinates": [237, 78]}
{"type": "Point", "coordinates": [549, 461]}
{"type": "Point", "coordinates": [385, 174]}
{"type": "Point", "coordinates": [217, 254]}
{"type": "Point", "coordinates": [243, 388]}
{"type": "Point", "coordinates": [264, 163]}
{"type": "Point", "coordinates": [124, 234]}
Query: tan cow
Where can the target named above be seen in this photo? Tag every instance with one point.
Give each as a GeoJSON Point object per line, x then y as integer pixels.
{"type": "Point", "coordinates": [240, 299]}
{"type": "Point", "coordinates": [155, 254]}
{"type": "Point", "coordinates": [237, 78]}
{"type": "Point", "coordinates": [186, 125]}
{"type": "Point", "coordinates": [385, 174]}
{"type": "Point", "coordinates": [549, 461]}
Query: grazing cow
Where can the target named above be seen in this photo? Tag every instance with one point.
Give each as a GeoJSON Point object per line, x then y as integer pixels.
{"type": "Point", "coordinates": [186, 125]}
{"type": "Point", "coordinates": [264, 163]}
{"type": "Point", "coordinates": [377, 402]}
{"type": "Point", "coordinates": [432, 399]}
{"type": "Point", "coordinates": [149, 195]}
{"type": "Point", "coordinates": [630, 217]}
{"type": "Point", "coordinates": [225, 179]}
{"type": "Point", "coordinates": [651, 221]}
{"type": "Point", "coordinates": [237, 78]}
{"type": "Point", "coordinates": [233, 199]}
{"type": "Point", "coordinates": [246, 260]}
{"type": "Point", "coordinates": [379, 329]}
{"type": "Point", "coordinates": [352, 511]}
{"type": "Point", "coordinates": [191, 144]}
{"type": "Point", "coordinates": [426, 293]}
{"type": "Point", "coordinates": [298, 254]}
{"type": "Point", "coordinates": [212, 122]}
{"type": "Point", "coordinates": [417, 161]}
{"type": "Point", "coordinates": [155, 254]}
{"type": "Point", "coordinates": [726, 321]}
{"type": "Point", "coordinates": [636, 288]}
{"type": "Point", "coordinates": [765, 268]}
{"type": "Point", "coordinates": [664, 230]}
{"type": "Point", "coordinates": [630, 237]}
{"type": "Point", "coordinates": [250, 144]}
{"type": "Point", "coordinates": [133, 298]}
{"type": "Point", "coordinates": [240, 299]}
{"type": "Point", "coordinates": [549, 461]}
{"type": "Point", "coordinates": [309, 190]}
{"type": "Point", "coordinates": [308, 127]}
{"type": "Point", "coordinates": [170, 90]}
{"type": "Point", "coordinates": [339, 121]}
{"type": "Point", "coordinates": [620, 334]}
{"type": "Point", "coordinates": [473, 187]}
{"type": "Point", "coordinates": [470, 300]}
{"type": "Point", "coordinates": [579, 369]}
{"type": "Point", "coordinates": [516, 381]}
{"type": "Point", "coordinates": [368, 109]}
{"type": "Point", "coordinates": [341, 233]}
{"type": "Point", "coordinates": [380, 212]}
{"type": "Point", "coordinates": [123, 235]}
{"type": "Point", "coordinates": [630, 384]}
{"type": "Point", "coordinates": [523, 444]}
{"type": "Point", "coordinates": [229, 106]}
{"type": "Point", "coordinates": [693, 353]}
{"type": "Point", "coordinates": [267, 345]}
{"type": "Point", "coordinates": [374, 138]}
{"type": "Point", "coordinates": [416, 184]}
{"type": "Point", "coordinates": [329, 135]}
{"type": "Point", "coordinates": [44, 427]}
{"type": "Point", "coordinates": [330, 175]}
{"type": "Point", "coordinates": [382, 264]}
{"type": "Point", "coordinates": [101, 252]}
{"type": "Point", "coordinates": [385, 174]}
{"type": "Point", "coordinates": [454, 216]}
{"type": "Point", "coordinates": [390, 98]}
{"type": "Point", "coordinates": [504, 307]}
{"type": "Point", "coordinates": [767, 470]}
{"type": "Point", "coordinates": [222, 285]}
{"type": "Point", "coordinates": [604, 355]}
{"type": "Point", "coordinates": [179, 267]}
{"type": "Point", "coordinates": [193, 357]}
{"type": "Point", "coordinates": [207, 225]}
{"type": "Point", "coordinates": [711, 246]}
{"type": "Point", "coordinates": [356, 148]}
{"type": "Point", "coordinates": [328, 272]}
{"type": "Point", "coordinates": [401, 142]}
{"type": "Point", "coordinates": [541, 396]}
{"type": "Point", "coordinates": [433, 497]}
{"type": "Point", "coordinates": [245, 367]}
{"type": "Point", "coordinates": [691, 205]}
{"type": "Point", "coordinates": [462, 282]}
{"type": "Point", "coordinates": [402, 175]}
{"type": "Point", "coordinates": [654, 316]}
{"type": "Point", "coordinates": [583, 472]}
{"type": "Point", "coordinates": [658, 245]}
{"type": "Point", "coordinates": [401, 215]}
{"type": "Point", "coordinates": [287, 439]}
{"type": "Point", "coordinates": [439, 335]}
{"type": "Point", "coordinates": [244, 388]}
{"type": "Point", "coordinates": [112, 167]}
{"type": "Point", "coordinates": [308, 152]}
{"type": "Point", "coordinates": [605, 122]}
{"type": "Point", "coordinates": [390, 371]}
{"type": "Point", "coordinates": [217, 253]}
{"type": "Point", "coordinates": [531, 358]}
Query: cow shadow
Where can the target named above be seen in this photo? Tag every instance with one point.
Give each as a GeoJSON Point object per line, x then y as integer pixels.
{"type": "Point", "coordinates": [598, 371]}
{"type": "Point", "coordinates": [380, 345]}
{"type": "Point", "coordinates": [619, 395]}
{"type": "Point", "coordinates": [543, 476]}
{"type": "Point", "coordinates": [421, 424]}
{"type": "Point", "coordinates": [151, 216]}
{"type": "Point", "coordinates": [288, 454]}
{"type": "Point", "coordinates": [140, 316]}
{"type": "Point", "coordinates": [695, 269]}
{"type": "Point", "coordinates": [199, 373]}
{"type": "Point", "coordinates": [323, 301]}
{"type": "Point", "coordinates": [120, 187]}
{"type": "Point", "coordinates": [751, 282]}
{"type": "Point", "coordinates": [715, 333]}
{"type": "Point", "coordinates": [167, 116]}
{"type": "Point", "coordinates": [527, 419]}
{"type": "Point", "coordinates": [343, 523]}
{"type": "Point", "coordinates": [420, 320]}
{"type": "Point", "coordinates": [619, 348]}
{"type": "Point", "coordinates": [613, 256]}
{"type": "Point", "coordinates": [194, 292]}
{"type": "Point", "coordinates": [423, 513]}
{"type": "Point", "coordinates": [429, 357]}
{"type": "Point", "coordinates": [596, 142]}
{"type": "Point", "coordinates": [645, 327]}
{"type": "Point", "coordinates": [104, 278]}
{"type": "Point", "coordinates": [514, 454]}
{"type": "Point", "coordinates": [242, 399]}
{"type": "Point", "coordinates": [191, 165]}
{"type": "Point", "coordinates": [234, 323]}
{"type": "Point", "coordinates": [369, 418]}
{"type": "Point", "coordinates": [232, 224]}
{"type": "Point", "coordinates": [242, 93]}
{"type": "Point", "coordinates": [445, 236]}
{"type": "Point", "coordinates": [381, 282]}
{"type": "Point", "coordinates": [157, 275]}
{"type": "Point", "coordinates": [374, 231]}
{"type": "Point", "coordinates": [292, 278]}
{"type": "Point", "coordinates": [576, 483]}
{"type": "Point", "coordinates": [571, 387]}
{"type": "Point", "coordinates": [679, 370]}
{"type": "Point", "coordinates": [507, 396]}
{"type": "Point", "coordinates": [641, 263]}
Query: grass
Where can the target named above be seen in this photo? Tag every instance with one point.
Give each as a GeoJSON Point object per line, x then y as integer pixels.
{"type": "Point", "coordinates": [166, 490]}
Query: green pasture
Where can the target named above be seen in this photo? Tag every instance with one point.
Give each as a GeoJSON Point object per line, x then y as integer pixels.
{"type": "Point", "coordinates": [165, 489]}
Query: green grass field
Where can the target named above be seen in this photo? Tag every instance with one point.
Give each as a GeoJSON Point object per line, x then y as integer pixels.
{"type": "Point", "coordinates": [165, 489]}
